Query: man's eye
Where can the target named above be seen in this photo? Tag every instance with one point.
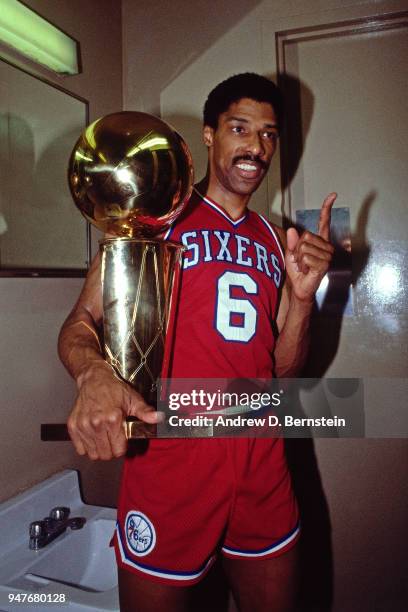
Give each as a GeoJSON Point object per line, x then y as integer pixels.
{"type": "Point", "coordinates": [238, 129]}
{"type": "Point", "coordinates": [273, 136]}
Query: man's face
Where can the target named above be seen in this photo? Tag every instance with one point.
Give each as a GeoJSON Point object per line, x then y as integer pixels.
{"type": "Point", "coordinates": [242, 146]}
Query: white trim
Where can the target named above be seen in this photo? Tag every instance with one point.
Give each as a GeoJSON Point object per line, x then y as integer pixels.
{"type": "Point", "coordinates": [219, 209]}
{"type": "Point", "coordinates": [269, 226]}
{"type": "Point", "coordinates": [274, 548]}
{"type": "Point", "coordinates": [159, 573]}
{"type": "Point", "coordinates": [167, 234]}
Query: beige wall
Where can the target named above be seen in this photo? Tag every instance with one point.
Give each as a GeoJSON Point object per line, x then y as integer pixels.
{"type": "Point", "coordinates": [352, 492]}
{"type": "Point", "coordinates": [34, 386]}
{"type": "Point", "coordinates": [162, 38]}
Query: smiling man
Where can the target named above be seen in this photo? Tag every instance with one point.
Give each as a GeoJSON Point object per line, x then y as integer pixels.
{"type": "Point", "coordinates": [233, 168]}
{"type": "Point", "coordinates": [246, 296]}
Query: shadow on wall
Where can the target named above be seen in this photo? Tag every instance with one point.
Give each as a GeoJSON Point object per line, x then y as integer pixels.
{"type": "Point", "coordinates": [36, 225]}
{"type": "Point", "coordinates": [316, 554]}
{"type": "Point", "coordinates": [13, 195]}
{"type": "Point", "coordinates": [316, 543]}
{"type": "Point", "coordinates": [316, 546]}
{"type": "Point", "coordinates": [150, 31]}
{"type": "Point", "coordinates": [190, 128]}
{"type": "Point", "coordinates": [299, 102]}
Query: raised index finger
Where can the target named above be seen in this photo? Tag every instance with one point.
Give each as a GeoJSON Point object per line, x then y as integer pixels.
{"type": "Point", "coordinates": [325, 216]}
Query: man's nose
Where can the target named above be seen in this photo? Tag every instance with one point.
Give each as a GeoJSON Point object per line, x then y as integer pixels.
{"type": "Point", "coordinates": [255, 144]}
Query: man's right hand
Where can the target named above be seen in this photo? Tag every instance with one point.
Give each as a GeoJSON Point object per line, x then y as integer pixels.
{"type": "Point", "coordinates": [96, 421]}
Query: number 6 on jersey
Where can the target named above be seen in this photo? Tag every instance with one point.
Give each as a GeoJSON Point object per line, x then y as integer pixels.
{"type": "Point", "coordinates": [228, 306]}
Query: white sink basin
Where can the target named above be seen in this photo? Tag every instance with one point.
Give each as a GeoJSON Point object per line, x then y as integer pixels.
{"type": "Point", "coordinates": [79, 564]}
{"type": "Point", "coordinates": [94, 569]}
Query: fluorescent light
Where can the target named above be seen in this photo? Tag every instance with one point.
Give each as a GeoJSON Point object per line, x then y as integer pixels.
{"type": "Point", "coordinates": [36, 38]}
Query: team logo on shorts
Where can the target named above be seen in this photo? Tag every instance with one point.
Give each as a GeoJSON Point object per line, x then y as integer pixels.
{"type": "Point", "coordinates": [140, 533]}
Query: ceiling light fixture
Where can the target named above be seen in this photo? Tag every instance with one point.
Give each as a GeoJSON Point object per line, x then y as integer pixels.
{"type": "Point", "coordinates": [37, 39]}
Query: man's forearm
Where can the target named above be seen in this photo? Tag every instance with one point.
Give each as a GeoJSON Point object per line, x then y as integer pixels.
{"type": "Point", "coordinates": [78, 345]}
{"type": "Point", "coordinates": [292, 344]}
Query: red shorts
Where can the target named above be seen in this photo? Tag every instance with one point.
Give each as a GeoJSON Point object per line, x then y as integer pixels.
{"type": "Point", "coordinates": [183, 500]}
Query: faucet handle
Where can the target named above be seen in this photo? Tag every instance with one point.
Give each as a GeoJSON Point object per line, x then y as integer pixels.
{"type": "Point", "coordinates": [37, 529]}
{"type": "Point", "coordinates": [60, 513]}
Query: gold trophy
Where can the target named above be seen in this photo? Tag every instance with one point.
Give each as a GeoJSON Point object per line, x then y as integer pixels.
{"type": "Point", "coordinates": [131, 176]}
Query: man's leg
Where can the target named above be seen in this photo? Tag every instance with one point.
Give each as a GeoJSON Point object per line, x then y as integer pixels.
{"type": "Point", "coordinates": [138, 594]}
{"type": "Point", "coordinates": [264, 584]}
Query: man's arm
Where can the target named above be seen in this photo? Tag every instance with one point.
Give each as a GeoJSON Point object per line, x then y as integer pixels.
{"type": "Point", "coordinates": [78, 343]}
{"type": "Point", "coordinates": [292, 344]}
{"type": "Point", "coordinates": [96, 420]}
{"type": "Point", "coordinates": [307, 260]}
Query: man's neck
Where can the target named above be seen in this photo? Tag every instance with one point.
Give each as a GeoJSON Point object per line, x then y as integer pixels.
{"type": "Point", "coordinates": [233, 203]}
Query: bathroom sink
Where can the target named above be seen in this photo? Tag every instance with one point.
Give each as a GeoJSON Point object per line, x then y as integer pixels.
{"type": "Point", "coordinates": [93, 568]}
{"type": "Point", "coordinates": [79, 564]}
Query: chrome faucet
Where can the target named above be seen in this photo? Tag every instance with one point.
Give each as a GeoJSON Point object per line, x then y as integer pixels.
{"type": "Point", "coordinates": [45, 531]}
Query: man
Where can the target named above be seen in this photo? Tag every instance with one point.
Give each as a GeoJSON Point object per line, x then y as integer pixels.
{"type": "Point", "coordinates": [182, 501]}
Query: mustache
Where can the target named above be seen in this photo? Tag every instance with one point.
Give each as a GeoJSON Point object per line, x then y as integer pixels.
{"type": "Point", "coordinates": [251, 158]}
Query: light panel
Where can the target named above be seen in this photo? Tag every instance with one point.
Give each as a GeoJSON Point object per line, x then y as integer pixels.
{"type": "Point", "coordinates": [36, 38]}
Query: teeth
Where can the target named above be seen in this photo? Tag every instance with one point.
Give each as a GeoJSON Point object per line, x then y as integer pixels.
{"type": "Point", "coordinates": [247, 167]}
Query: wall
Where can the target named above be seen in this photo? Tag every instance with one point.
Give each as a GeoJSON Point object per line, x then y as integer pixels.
{"type": "Point", "coordinates": [352, 492]}
{"type": "Point", "coordinates": [162, 38]}
{"type": "Point", "coordinates": [34, 386]}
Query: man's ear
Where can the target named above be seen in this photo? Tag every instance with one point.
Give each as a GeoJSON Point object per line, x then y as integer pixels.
{"type": "Point", "coordinates": [208, 135]}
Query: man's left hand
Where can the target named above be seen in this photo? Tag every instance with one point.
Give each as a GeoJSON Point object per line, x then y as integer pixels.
{"type": "Point", "coordinates": [308, 257]}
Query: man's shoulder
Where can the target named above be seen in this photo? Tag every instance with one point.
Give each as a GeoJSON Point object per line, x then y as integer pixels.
{"type": "Point", "coordinates": [280, 233]}
{"type": "Point", "coordinates": [274, 228]}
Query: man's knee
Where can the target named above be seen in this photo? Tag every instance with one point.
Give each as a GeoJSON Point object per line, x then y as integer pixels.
{"type": "Point", "coordinates": [263, 584]}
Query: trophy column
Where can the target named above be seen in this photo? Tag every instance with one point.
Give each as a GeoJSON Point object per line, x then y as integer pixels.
{"type": "Point", "coordinates": [139, 286]}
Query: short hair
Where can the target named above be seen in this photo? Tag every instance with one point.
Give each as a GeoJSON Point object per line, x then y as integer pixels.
{"type": "Point", "coordinates": [245, 85]}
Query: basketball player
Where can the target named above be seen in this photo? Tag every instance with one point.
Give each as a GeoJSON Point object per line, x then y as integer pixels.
{"type": "Point", "coordinates": [246, 296]}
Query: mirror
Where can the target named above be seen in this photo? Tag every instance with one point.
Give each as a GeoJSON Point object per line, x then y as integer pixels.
{"type": "Point", "coordinates": [41, 231]}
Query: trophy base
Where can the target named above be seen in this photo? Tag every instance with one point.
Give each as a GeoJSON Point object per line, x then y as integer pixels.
{"type": "Point", "coordinates": [135, 429]}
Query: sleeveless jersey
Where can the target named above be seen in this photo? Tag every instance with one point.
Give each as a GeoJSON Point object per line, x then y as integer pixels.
{"type": "Point", "coordinates": [233, 272]}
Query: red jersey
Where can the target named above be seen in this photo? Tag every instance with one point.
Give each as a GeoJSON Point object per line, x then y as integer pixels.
{"type": "Point", "coordinates": [233, 272]}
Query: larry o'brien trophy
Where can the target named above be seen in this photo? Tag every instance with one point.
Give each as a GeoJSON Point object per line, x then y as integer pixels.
{"type": "Point", "coordinates": [131, 175]}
